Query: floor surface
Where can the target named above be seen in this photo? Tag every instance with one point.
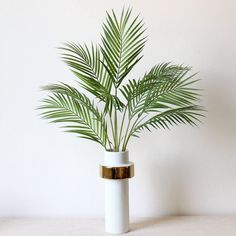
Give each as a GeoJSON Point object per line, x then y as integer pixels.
{"type": "Point", "coordinates": [168, 226]}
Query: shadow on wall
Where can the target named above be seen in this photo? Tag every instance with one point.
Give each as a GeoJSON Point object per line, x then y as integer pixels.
{"type": "Point", "coordinates": [219, 127]}
{"type": "Point", "coordinates": [174, 179]}
{"type": "Point", "coordinates": [167, 180]}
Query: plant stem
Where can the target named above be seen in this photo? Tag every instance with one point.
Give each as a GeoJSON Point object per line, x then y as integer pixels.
{"type": "Point", "coordinates": [127, 129]}
{"type": "Point", "coordinates": [116, 146]}
{"type": "Point", "coordinates": [126, 140]}
{"type": "Point", "coordinates": [115, 131]}
{"type": "Point", "coordinates": [109, 143]}
{"type": "Point", "coordinates": [112, 129]}
{"type": "Point", "coordinates": [121, 127]}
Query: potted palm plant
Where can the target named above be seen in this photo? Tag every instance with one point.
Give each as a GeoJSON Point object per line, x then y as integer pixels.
{"type": "Point", "coordinates": [164, 96]}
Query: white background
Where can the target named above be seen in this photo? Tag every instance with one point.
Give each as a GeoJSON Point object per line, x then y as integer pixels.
{"type": "Point", "coordinates": [47, 173]}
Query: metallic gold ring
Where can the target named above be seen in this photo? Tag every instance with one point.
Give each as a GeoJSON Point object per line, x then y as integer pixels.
{"type": "Point", "coordinates": [120, 172]}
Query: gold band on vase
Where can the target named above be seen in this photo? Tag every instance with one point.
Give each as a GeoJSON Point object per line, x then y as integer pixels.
{"type": "Point", "coordinates": [120, 172]}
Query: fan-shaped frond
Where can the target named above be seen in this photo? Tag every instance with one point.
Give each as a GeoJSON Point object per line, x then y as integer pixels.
{"type": "Point", "coordinates": [122, 43]}
{"type": "Point", "coordinates": [165, 86]}
{"type": "Point", "coordinates": [68, 105]}
{"type": "Point", "coordinates": [181, 115]}
{"type": "Point", "coordinates": [173, 116]}
{"type": "Point", "coordinates": [87, 65]}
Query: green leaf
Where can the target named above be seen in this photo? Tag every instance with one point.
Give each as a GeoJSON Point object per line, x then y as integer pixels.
{"type": "Point", "coordinates": [122, 43]}
{"type": "Point", "coordinates": [181, 115]}
{"type": "Point", "coordinates": [68, 105]}
{"type": "Point", "coordinates": [87, 65]}
{"type": "Point", "coordinates": [165, 86]}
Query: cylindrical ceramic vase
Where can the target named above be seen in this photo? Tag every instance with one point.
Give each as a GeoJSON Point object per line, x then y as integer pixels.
{"type": "Point", "coordinates": [116, 171]}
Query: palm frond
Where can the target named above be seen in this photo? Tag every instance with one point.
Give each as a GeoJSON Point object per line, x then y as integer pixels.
{"type": "Point", "coordinates": [67, 105]}
{"type": "Point", "coordinates": [122, 43]}
{"type": "Point", "coordinates": [164, 96]}
{"type": "Point", "coordinates": [181, 115]}
{"type": "Point", "coordinates": [165, 86]}
{"type": "Point", "coordinates": [87, 65]}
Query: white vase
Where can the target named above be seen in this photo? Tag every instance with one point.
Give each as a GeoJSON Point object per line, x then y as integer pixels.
{"type": "Point", "coordinates": [116, 171]}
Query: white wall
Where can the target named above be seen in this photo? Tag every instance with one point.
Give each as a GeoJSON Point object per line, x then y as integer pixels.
{"type": "Point", "coordinates": [45, 172]}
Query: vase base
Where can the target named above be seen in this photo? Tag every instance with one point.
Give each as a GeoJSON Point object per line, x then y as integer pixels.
{"type": "Point", "coordinates": [116, 232]}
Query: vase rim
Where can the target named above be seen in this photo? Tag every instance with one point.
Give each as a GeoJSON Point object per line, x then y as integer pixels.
{"type": "Point", "coordinates": [110, 151]}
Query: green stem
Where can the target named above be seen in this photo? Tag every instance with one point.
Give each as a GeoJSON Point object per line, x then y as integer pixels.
{"type": "Point", "coordinates": [137, 121]}
{"type": "Point", "coordinates": [109, 143]}
{"type": "Point", "coordinates": [127, 139]}
{"type": "Point", "coordinates": [127, 129]}
{"type": "Point", "coordinates": [116, 147]}
{"type": "Point", "coordinates": [115, 131]}
{"type": "Point", "coordinates": [108, 140]}
{"type": "Point", "coordinates": [121, 127]}
{"type": "Point", "coordinates": [112, 129]}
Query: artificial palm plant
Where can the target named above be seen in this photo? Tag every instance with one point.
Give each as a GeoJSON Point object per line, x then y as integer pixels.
{"type": "Point", "coordinates": [114, 110]}
{"type": "Point", "coordinates": [164, 96]}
